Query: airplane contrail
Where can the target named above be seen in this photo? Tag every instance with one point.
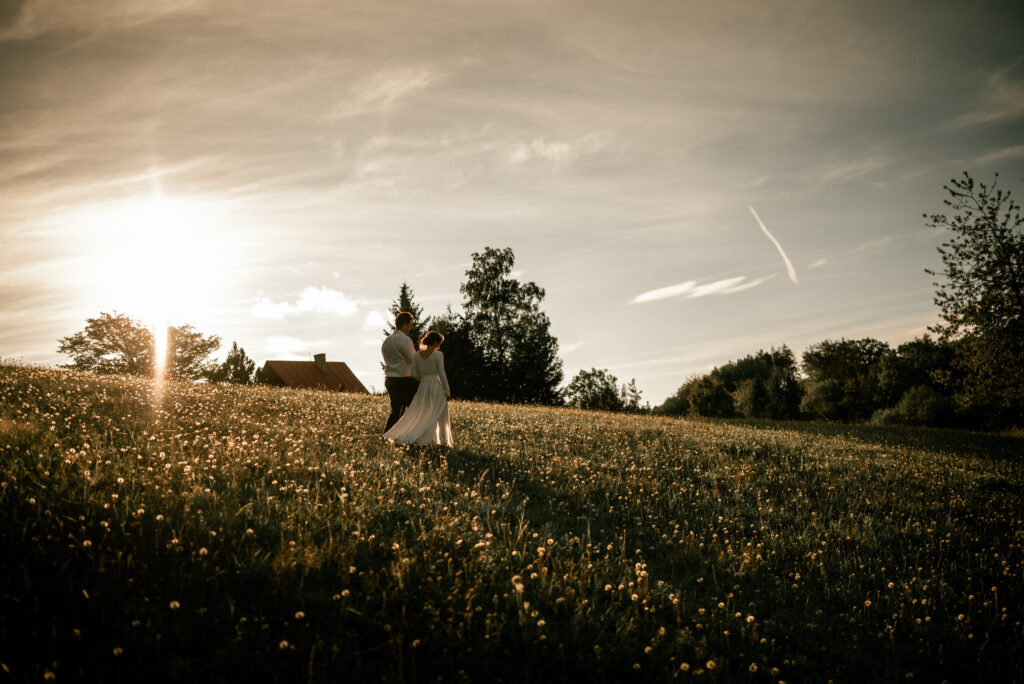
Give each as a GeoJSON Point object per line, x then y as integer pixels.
{"type": "Point", "coordinates": [789, 264]}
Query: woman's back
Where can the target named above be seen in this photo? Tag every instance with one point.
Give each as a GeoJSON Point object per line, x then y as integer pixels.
{"type": "Point", "coordinates": [430, 366]}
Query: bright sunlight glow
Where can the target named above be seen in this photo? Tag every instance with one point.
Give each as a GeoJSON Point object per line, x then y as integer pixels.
{"type": "Point", "coordinates": [155, 258]}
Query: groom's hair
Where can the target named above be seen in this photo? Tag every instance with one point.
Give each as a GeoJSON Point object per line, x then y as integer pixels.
{"type": "Point", "coordinates": [402, 319]}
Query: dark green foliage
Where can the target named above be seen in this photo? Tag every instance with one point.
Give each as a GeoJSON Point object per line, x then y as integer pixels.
{"type": "Point", "coordinates": [784, 390]}
{"type": "Point", "coordinates": [188, 352]}
{"type": "Point", "coordinates": [514, 356]}
{"type": "Point", "coordinates": [763, 385]}
{"type": "Point", "coordinates": [923, 405]}
{"type": "Point", "coordinates": [421, 324]}
{"type": "Point", "coordinates": [981, 296]}
{"type": "Point", "coordinates": [842, 378]}
{"type": "Point", "coordinates": [468, 374]}
{"type": "Point", "coordinates": [921, 361]}
{"type": "Point", "coordinates": [111, 343]}
{"type": "Point", "coordinates": [237, 367]}
{"type": "Point", "coordinates": [823, 399]}
{"type": "Point", "coordinates": [594, 389]}
{"type": "Point", "coordinates": [920, 405]}
{"type": "Point", "coordinates": [751, 398]}
{"type": "Point", "coordinates": [708, 397]}
{"type": "Point", "coordinates": [678, 404]}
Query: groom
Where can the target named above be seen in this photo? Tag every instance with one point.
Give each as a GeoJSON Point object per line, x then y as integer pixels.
{"type": "Point", "coordinates": [397, 351]}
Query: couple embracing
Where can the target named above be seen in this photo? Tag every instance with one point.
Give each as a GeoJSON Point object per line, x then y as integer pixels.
{"type": "Point", "coordinates": [417, 386]}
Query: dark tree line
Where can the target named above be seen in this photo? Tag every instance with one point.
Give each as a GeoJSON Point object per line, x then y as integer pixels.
{"type": "Point", "coordinates": [599, 389]}
{"type": "Point", "coordinates": [971, 375]}
{"type": "Point", "coordinates": [764, 385]}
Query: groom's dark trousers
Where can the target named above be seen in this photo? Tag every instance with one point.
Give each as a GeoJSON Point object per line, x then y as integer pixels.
{"type": "Point", "coordinates": [400, 391]}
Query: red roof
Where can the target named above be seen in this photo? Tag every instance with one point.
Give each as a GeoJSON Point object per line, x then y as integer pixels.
{"type": "Point", "coordinates": [307, 375]}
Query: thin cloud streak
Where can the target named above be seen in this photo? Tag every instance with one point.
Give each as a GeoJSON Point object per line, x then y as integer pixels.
{"type": "Point", "coordinates": [691, 290]}
{"type": "Point", "coordinates": [782, 252]}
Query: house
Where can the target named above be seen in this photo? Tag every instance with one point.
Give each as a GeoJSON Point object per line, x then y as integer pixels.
{"type": "Point", "coordinates": [320, 373]}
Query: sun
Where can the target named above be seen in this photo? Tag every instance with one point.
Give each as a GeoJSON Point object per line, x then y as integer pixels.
{"type": "Point", "coordinates": [157, 258]}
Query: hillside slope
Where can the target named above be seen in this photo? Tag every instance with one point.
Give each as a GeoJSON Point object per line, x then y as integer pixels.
{"type": "Point", "coordinates": [175, 532]}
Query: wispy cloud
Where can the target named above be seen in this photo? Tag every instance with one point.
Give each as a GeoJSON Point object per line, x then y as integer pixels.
{"type": "Point", "coordinates": [1003, 97]}
{"type": "Point", "coordinates": [691, 290]}
{"type": "Point", "coordinates": [540, 149]}
{"type": "Point", "coordinates": [386, 89]}
{"type": "Point", "coordinates": [665, 292]}
{"type": "Point", "coordinates": [818, 264]}
{"type": "Point", "coordinates": [375, 320]}
{"type": "Point", "coordinates": [849, 170]}
{"type": "Point", "coordinates": [321, 300]}
{"type": "Point", "coordinates": [287, 345]}
{"type": "Point", "coordinates": [557, 152]}
{"type": "Point", "coordinates": [572, 346]}
{"type": "Point", "coordinates": [1001, 154]}
{"type": "Point", "coordinates": [782, 252]}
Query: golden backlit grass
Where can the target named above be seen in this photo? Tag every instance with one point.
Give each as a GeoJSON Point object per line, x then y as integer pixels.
{"type": "Point", "coordinates": [195, 532]}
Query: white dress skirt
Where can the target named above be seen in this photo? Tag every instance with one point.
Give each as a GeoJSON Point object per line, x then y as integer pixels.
{"type": "Point", "coordinates": [426, 419]}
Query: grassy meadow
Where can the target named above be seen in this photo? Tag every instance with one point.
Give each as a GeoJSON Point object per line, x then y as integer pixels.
{"type": "Point", "coordinates": [158, 532]}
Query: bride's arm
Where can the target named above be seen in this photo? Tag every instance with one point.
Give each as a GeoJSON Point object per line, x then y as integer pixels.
{"type": "Point", "coordinates": [444, 377]}
{"type": "Point", "coordinates": [414, 370]}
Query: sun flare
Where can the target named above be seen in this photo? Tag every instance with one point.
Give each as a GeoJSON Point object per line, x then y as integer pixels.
{"type": "Point", "coordinates": [155, 258]}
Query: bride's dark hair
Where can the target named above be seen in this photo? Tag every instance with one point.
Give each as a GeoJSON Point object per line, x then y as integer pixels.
{"type": "Point", "coordinates": [430, 339]}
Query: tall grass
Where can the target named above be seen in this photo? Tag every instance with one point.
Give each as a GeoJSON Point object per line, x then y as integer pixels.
{"type": "Point", "coordinates": [219, 533]}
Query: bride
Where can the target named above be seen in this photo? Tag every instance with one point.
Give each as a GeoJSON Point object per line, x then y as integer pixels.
{"type": "Point", "coordinates": [426, 419]}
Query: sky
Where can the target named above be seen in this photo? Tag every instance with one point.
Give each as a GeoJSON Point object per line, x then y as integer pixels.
{"type": "Point", "coordinates": [689, 182]}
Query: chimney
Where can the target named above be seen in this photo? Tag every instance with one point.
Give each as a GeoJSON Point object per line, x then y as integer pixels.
{"type": "Point", "coordinates": [321, 362]}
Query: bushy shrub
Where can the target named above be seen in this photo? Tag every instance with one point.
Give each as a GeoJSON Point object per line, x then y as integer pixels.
{"type": "Point", "coordinates": [922, 405]}
{"type": "Point", "coordinates": [708, 398]}
{"type": "Point", "coordinates": [822, 398]}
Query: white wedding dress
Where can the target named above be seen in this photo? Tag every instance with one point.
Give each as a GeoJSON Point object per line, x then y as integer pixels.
{"type": "Point", "coordinates": [426, 419]}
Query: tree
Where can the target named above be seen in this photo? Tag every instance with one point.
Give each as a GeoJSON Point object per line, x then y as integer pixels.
{"type": "Point", "coordinates": [631, 396]}
{"type": "Point", "coordinates": [187, 353]}
{"type": "Point", "coordinates": [709, 398]}
{"type": "Point", "coordinates": [517, 357]}
{"type": "Point", "coordinates": [264, 376]}
{"type": "Point", "coordinates": [463, 361]}
{"type": "Point", "coordinates": [678, 404]}
{"type": "Point", "coordinates": [842, 378]}
{"type": "Point", "coordinates": [752, 398]}
{"type": "Point", "coordinates": [237, 367]}
{"type": "Point", "coordinates": [981, 293]}
{"type": "Point", "coordinates": [594, 389]}
{"type": "Point", "coordinates": [111, 343]}
{"type": "Point", "coordinates": [763, 385]}
{"type": "Point", "coordinates": [784, 390]}
{"type": "Point", "coordinates": [405, 302]}
{"type": "Point", "coordinates": [921, 361]}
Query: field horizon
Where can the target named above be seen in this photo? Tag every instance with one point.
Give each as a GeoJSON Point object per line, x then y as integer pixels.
{"type": "Point", "coordinates": [168, 530]}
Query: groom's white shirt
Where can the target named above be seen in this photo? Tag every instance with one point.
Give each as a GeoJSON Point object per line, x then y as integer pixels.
{"type": "Point", "coordinates": [397, 351]}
